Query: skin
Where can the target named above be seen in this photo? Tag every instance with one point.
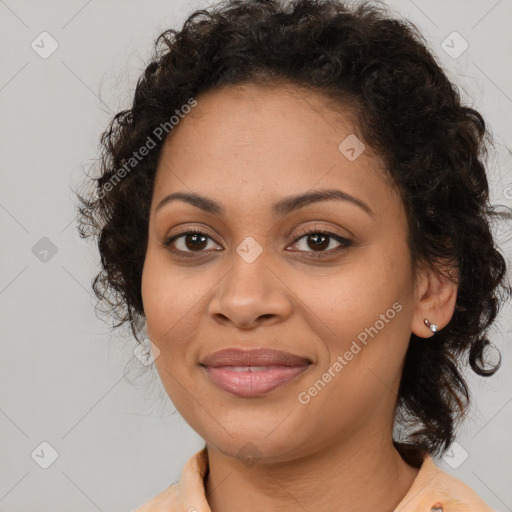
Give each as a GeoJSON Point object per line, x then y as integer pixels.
{"type": "Point", "coordinates": [247, 147]}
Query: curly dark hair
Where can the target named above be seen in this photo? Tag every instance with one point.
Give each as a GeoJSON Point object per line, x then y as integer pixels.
{"type": "Point", "coordinates": [408, 111]}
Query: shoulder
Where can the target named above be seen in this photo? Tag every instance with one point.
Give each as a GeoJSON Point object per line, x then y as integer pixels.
{"type": "Point", "coordinates": [188, 490]}
{"type": "Point", "coordinates": [437, 491]}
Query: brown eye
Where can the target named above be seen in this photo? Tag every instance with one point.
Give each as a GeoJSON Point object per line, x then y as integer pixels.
{"type": "Point", "coordinates": [317, 243]}
{"type": "Point", "coordinates": [321, 242]}
{"type": "Point", "coordinates": [195, 241]}
{"type": "Point", "coordinates": [189, 241]}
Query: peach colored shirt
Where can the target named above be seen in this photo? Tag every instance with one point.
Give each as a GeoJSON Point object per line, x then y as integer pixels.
{"type": "Point", "coordinates": [433, 490]}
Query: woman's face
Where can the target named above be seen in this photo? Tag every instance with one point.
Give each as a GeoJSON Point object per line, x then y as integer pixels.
{"type": "Point", "coordinates": [259, 280]}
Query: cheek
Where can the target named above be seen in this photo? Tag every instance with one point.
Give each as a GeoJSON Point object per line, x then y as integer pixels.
{"type": "Point", "coordinates": [362, 313]}
{"type": "Point", "coordinates": [356, 295]}
{"type": "Point", "coordinates": [169, 298]}
{"type": "Point", "coordinates": [172, 302]}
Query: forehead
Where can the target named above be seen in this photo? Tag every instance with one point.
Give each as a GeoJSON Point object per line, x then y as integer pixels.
{"type": "Point", "coordinates": [268, 141]}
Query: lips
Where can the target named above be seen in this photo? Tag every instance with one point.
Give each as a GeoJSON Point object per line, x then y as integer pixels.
{"type": "Point", "coordinates": [251, 373]}
{"type": "Point", "coordinates": [256, 357]}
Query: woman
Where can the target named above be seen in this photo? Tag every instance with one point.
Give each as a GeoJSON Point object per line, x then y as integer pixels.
{"type": "Point", "coordinates": [296, 209]}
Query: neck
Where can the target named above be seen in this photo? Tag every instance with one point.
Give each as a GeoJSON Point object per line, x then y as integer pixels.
{"type": "Point", "coordinates": [367, 473]}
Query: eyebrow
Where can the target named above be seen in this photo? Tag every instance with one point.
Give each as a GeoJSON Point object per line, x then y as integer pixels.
{"type": "Point", "coordinates": [281, 207]}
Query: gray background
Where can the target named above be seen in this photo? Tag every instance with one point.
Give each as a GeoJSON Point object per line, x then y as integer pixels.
{"type": "Point", "coordinates": [118, 438]}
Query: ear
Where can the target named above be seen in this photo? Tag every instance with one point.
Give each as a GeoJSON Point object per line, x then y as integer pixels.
{"type": "Point", "coordinates": [436, 296]}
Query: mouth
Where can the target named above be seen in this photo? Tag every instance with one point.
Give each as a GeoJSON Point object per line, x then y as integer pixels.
{"type": "Point", "coordinates": [252, 381]}
{"type": "Point", "coordinates": [252, 373]}
{"type": "Point", "coordinates": [256, 357]}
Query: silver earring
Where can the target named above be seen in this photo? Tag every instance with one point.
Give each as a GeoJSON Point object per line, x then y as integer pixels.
{"type": "Point", "coordinates": [432, 327]}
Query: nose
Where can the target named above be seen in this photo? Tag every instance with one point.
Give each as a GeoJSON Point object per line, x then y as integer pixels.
{"type": "Point", "coordinates": [251, 294]}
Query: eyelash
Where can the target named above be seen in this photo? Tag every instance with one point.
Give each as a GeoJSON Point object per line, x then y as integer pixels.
{"type": "Point", "coordinates": [345, 243]}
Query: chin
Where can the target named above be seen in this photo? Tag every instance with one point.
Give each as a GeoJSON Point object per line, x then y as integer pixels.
{"type": "Point", "coordinates": [252, 447]}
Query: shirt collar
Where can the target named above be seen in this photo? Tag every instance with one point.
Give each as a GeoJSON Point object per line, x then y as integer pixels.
{"type": "Point", "coordinates": [433, 490]}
